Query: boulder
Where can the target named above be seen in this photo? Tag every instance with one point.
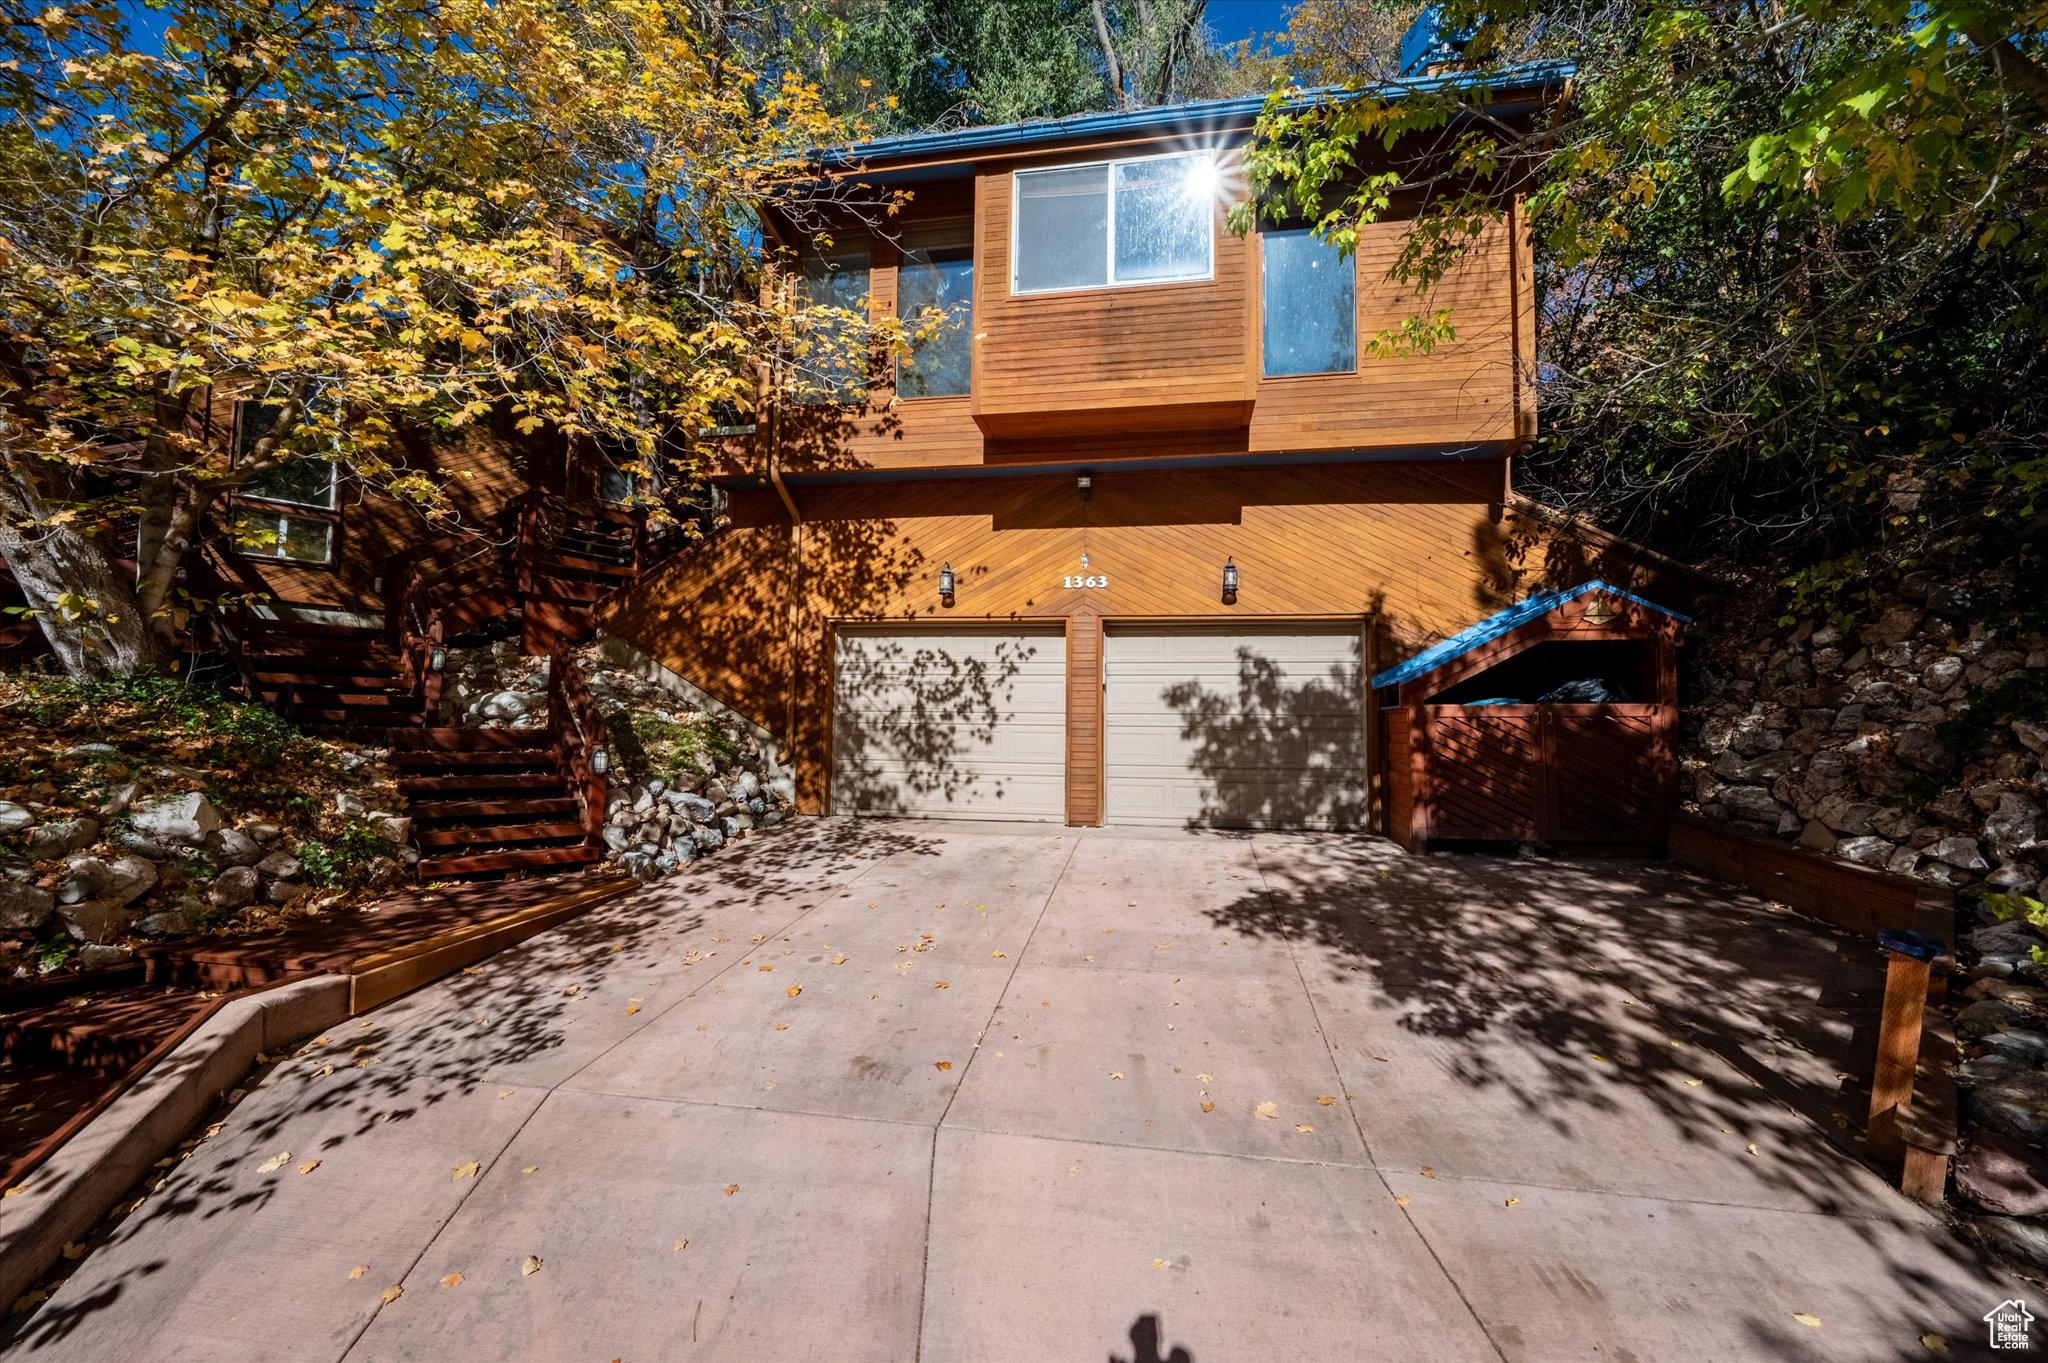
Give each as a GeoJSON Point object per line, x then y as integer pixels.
{"type": "Point", "coordinates": [285, 893]}
{"type": "Point", "coordinates": [2014, 827]}
{"type": "Point", "coordinates": [617, 838]}
{"type": "Point", "coordinates": [168, 923]}
{"type": "Point", "coordinates": [232, 847]}
{"type": "Point", "coordinates": [24, 908]}
{"type": "Point", "coordinates": [98, 955]}
{"type": "Point", "coordinates": [2017, 1106]}
{"type": "Point", "coordinates": [186, 818]}
{"type": "Point", "coordinates": [60, 837]}
{"type": "Point", "coordinates": [1897, 623]}
{"type": "Point", "coordinates": [747, 786]}
{"type": "Point", "coordinates": [118, 799]}
{"type": "Point", "coordinates": [127, 878]}
{"type": "Point", "coordinates": [134, 843]}
{"type": "Point", "coordinates": [2031, 1047]}
{"type": "Point", "coordinates": [638, 865]}
{"type": "Point", "coordinates": [1845, 815]}
{"type": "Point", "coordinates": [2034, 737]}
{"type": "Point", "coordinates": [264, 833]}
{"type": "Point", "coordinates": [383, 872]}
{"type": "Point", "coordinates": [1942, 673]}
{"type": "Point", "coordinates": [395, 829]}
{"type": "Point", "coordinates": [95, 920]}
{"type": "Point", "coordinates": [1986, 1016]}
{"type": "Point", "coordinates": [233, 888]}
{"type": "Point", "coordinates": [1917, 747]}
{"type": "Point", "coordinates": [773, 817]}
{"type": "Point", "coordinates": [2023, 1241]}
{"type": "Point", "coordinates": [14, 818]}
{"type": "Point", "coordinates": [699, 809]}
{"type": "Point", "coordinates": [505, 705]}
{"type": "Point", "coordinates": [1961, 853]}
{"type": "Point", "coordinates": [1751, 802]}
{"type": "Point", "coordinates": [280, 866]}
{"type": "Point", "coordinates": [1865, 851]}
{"type": "Point", "coordinates": [349, 805]}
{"type": "Point", "coordinates": [84, 878]}
{"type": "Point", "coordinates": [708, 839]}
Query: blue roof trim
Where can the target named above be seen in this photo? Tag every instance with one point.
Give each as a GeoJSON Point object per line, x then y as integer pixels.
{"type": "Point", "coordinates": [1207, 115]}
{"type": "Point", "coordinates": [1505, 622]}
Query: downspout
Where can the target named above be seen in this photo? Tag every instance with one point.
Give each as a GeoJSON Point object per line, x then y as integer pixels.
{"type": "Point", "coordinates": [772, 411]}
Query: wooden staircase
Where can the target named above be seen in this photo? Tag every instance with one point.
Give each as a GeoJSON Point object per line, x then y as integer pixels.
{"type": "Point", "coordinates": [483, 802]}
{"type": "Point", "coordinates": [491, 802]}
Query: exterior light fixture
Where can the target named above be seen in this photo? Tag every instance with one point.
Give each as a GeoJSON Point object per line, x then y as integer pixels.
{"type": "Point", "coordinates": [1087, 486]}
{"type": "Point", "coordinates": [946, 583]}
{"type": "Point", "coordinates": [437, 658]}
{"type": "Point", "coordinates": [600, 760]}
{"type": "Point", "coordinates": [1229, 579]}
{"type": "Point", "coordinates": [1598, 611]}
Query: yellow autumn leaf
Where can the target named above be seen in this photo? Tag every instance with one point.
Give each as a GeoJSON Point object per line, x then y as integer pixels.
{"type": "Point", "coordinates": [1513, 1202]}
{"type": "Point", "coordinates": [1811, 1322]}
{"type": "Point", "coordinates": [1933, 1343]}
{"type": "Point", "coordinates": [840, 959]}
{"type": "Point", "coordinates": [463, 1171]}
{"type": "Point", "coordinates": [1401, 1200]}
{"type": "Point", "coordinates": [1116, 1074]}
{"type": "Point", "coordinates": [1208, 1107]}
{"type": "Point", "coordinates": [275, 1162]}
{"type": "Point", "coordinates": [1325, 1100]}
{"type": "Point", "coordinates": [531, 1266]}
{"type": "Point", "coordinates": [632, 1008]}
{"type": "Point", "coordinates": [309, 1166]}
{"type": "Point", "coordinates": [794, 990]}
{"type": "Point", "coordinates": [359, 1270]}
{"type": "Point", "coordinates": [731, 1188]}
{"type": "Point", "coordinates": [450, 1279]}
{"type": "Point", "coordinates": [392, 1294]}
{"type": "Point", "coordinates": [1304, 1128]}
{"type": "Point", "coordinates": [942, 1064]}
{"type": "Point", "coordinates": [1267, 1111]}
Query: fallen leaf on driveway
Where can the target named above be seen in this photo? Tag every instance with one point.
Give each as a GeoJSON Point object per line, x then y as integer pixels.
{"type": "Point", "coordinates": [1694, 1083]}
{"type": "Point", "coordinates": [531, 1266]}
{"type": "Point", "coordinates": [1116, 1074]}
{"type": "Point", "coordinates": [1428, 1172]}
{"type": "Point", "coordinates": [632, 1008]}
{"type": "Point", "coordinates": [995, 955]}
{"type": "Point", "coordinates": [74, 1251]}
{"type": "Point", "coordinates": [942, 984]}
{"type": "Point", "coordinates": [463, 1171]}
{"type": "Point", "coordinates": [1751, 1147]}
{"type": "Point", "coordinates": [1401, 1201]}
{"type": "Point", "coordinates": [392, 1294]}
{"type": "Point", "coordinates": [794, 990]}
{"type": "Point", "coordinates": [449, 1280]}
{"type": "Point", "coordinates": [1325, 1100]}
{"type": "Point", "coordinates": [781, 1026]}
{"type": "Point", "coordinates": [309, 1166]}
{"type": "Point", "coordinates": [682, 1245]}
{"type": "Point", "coordinates": [323, 1071]}
{"type": "Point", "coordinates": [275, 1162]}
{"type": "Point", "coordinates": [531, 1168]}
{"type": "Point", "coordinates": [731, 1188]}
{"type": "Point", "coordinates": [1513, 1202]}
{"type": "Point", "coordinates": [1804, 1319]}
{"type": "Point", "coordinates": [359, 1270]}
{"type": "Point", "coordinates": [1159, 1263]}
{"type": "Point", "coordinates": [1934, 1344]}
{"type": "Point", "coordinates": [766, 968]}
{"type": "Point", "coordinates": [1208, 1107]}
{"type": "Point", "coordinates": [1304, 1128]}
{"type": "Point", "coordinates": [1266, 1111]}
{"type": "Point", "coordinates": [942, 1064]}
{"type": "Point", "coordinates": [840, 959]}
{"type": "Point", "coordinates": [1203, 1077]}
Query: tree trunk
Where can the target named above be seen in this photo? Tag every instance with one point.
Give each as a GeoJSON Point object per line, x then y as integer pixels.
{"type": "Point", "coordinates": [80, 596]}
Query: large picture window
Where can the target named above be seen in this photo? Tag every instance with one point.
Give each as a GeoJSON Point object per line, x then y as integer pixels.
{"type": "Point", "coordinates": [271, 517]}
{"type": "Point", "coordinates": [1308, 293]}
{"type": "Point", "coordinates": [935, 300]}
{"type": "Point", "coordinates": [1145, 221]}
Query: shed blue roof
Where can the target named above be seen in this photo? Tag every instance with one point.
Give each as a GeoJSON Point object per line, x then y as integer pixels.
{"type": "Point", "coordinates": [1204, 116]}
{"type": "Point", "coordinates": [1504, 622]}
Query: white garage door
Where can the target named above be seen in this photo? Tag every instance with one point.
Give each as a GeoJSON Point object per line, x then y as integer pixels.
{"type": "Point", "coordinates": [963, 724]}
{"type": "Point", "coordinates": [1237, 727]}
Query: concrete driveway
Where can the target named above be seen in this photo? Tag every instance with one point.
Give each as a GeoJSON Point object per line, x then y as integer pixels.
{"type": "Point", "coordinates": [944, 1092]}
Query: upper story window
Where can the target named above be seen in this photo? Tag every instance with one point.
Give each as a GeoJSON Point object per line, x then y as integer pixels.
{"type": "Point", "coordinates": [1145, 221]}
{"type": "Point", "coordinates": [935, 299]}
{"type": "Point", "coordinates": [1308, 293]}
{"type": "Point", "coordinates": [285, 512]}
{"type": "Point", "coordinates": [835, 368]}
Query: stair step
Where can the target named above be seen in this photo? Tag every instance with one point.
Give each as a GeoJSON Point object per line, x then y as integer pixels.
{"type": "Point", "coordinates": [490, 809]}
{"type": "Point", "coordinates": [464, 785]}
{"type": "Point", "coordinates": [495, 835]}
{"type": "Point", "coordinates": [532, 858]}
{"type": "Point", "coordinates": [309, 629]}
{"type": "Point", "coordinates": [332, 681]}
{"type": "Point", "coordinates": [109, 1032]}
{"type": "Point", "coordinates": [463, 759]}
{"type": "Point", "coordinates": [577, 563]}
{"type": "Point", "coordinates": [441, 738]}
{"type": "Point", "coordinates": [328, 698]}
{"type": "Point", "coordinates": [351, 717]}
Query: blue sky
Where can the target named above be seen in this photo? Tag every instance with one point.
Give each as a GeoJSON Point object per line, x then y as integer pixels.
{"type": "Point", "coordinates": [1234, 19]}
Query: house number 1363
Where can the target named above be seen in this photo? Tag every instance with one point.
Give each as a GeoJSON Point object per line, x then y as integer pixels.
{"type": "Point", "coordinates": [1090, 580]}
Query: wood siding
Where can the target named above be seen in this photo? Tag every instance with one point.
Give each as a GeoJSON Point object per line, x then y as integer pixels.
{"type": "Point", "coordinates": [1164, 370]}
{"type": "Point", "coordinates": [748, 615]}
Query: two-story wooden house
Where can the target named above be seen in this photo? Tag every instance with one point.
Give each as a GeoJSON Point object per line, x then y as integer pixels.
{"type": "Point", "coordinates": [1122, 544]}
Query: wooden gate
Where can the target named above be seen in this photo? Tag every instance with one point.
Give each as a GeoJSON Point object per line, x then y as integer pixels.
{"type": "Point", "coordinates": [1543, 773]}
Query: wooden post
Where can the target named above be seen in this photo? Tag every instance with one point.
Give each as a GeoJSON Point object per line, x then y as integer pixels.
{"type": "Point", "coordinates": [1908, 957]}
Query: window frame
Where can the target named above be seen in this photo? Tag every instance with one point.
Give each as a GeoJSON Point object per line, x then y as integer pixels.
{"type": "Point", "coordinates": [860, 385]}
{"type": "Point", "coordinates": [1264, 233]}
{"type": "Point", "coordinates": [1109, 178]}
{"type": "Point", "coordinates": [284, 509]}
{"type": "Point", "coordinates": [964, 226]}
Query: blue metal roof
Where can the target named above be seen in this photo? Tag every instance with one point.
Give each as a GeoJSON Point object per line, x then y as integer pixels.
{"type": "Point", "coordinates": [1505, 622]}
{"type": "Point", "coordinates": [1205, 116]}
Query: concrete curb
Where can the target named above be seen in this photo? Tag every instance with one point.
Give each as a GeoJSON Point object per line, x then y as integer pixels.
{"type": "Point", "coordinates": [65, 1196]}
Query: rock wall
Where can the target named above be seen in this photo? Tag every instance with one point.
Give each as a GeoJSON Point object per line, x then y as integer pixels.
{"type": "Point", "coordinates": [1833, 736]}
{"type": "Point", "coordinates": [670, 803]}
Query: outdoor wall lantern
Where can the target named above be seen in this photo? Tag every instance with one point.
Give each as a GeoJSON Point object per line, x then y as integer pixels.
{"type": "Point", "coordinates": [1087, 486]}
{"type": "Point", "coordinates": [600, 760]}
{"type": "Point", "coordinates": [437, 658]}
{"type": "Point", "coordinates": [946, 583]}
{"type": "Point", "coordinates": [1598, 611]}
{"type": "Point", "coordinates": [1229, 580]}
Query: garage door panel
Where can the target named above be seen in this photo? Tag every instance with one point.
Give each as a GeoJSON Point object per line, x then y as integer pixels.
{"type": "Point", "coordinates": [961, 724]}
{"type": "Point", "coordinates": [1234, 727]}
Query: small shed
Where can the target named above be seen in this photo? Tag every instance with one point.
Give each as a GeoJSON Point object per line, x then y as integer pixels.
{"type": "Point", "coordinates": [1552, 721]}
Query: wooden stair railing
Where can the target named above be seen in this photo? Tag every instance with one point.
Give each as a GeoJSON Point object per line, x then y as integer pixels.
{"type": "Point", "coordinates": [578, 731]}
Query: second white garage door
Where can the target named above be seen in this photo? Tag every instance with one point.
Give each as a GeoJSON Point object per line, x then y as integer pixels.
{"type": "Point", "coordinates": [963, 724]}
{"type": "Point", "coordinates": [1234, 727]}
